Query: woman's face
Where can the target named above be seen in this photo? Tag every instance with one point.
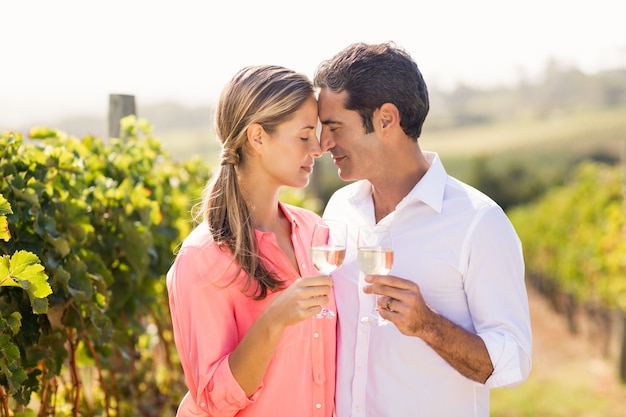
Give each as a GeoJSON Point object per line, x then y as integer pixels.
{"type": "Point", "coordinates": [290, 152]}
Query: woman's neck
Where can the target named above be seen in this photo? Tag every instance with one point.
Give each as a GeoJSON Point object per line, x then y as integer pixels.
{"type": "Point", "coordinates": [262, 202]}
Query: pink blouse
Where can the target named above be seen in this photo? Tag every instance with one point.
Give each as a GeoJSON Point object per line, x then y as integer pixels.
{"type": "Point", "coordinates": [210, 318]}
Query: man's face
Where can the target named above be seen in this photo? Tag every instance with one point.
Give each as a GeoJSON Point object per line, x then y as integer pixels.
{"type": "Point", "coordinates": [343, 135]}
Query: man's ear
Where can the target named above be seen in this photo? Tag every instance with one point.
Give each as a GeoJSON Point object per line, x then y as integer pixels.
{"type": "Point", "coordinates": [254, 133]}
{"type": "Point", "coordinates": [389, 115]}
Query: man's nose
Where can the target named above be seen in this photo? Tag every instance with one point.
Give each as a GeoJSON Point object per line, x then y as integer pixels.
{"type": "Point", "coordinates": [326, 141]}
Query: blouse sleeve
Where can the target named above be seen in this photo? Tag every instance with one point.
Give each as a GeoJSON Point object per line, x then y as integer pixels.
{"type": "Point", "coordinates": [205, 330]}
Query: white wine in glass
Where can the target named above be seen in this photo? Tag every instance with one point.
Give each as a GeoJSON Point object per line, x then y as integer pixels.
{"type": "Point", "coordinates": [328, 249]}
{"type": "Point", "coordinates": [375, 257]}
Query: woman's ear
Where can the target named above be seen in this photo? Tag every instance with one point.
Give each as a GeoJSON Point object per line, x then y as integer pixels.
{"type": "Point", "coordinates": [254, 133]}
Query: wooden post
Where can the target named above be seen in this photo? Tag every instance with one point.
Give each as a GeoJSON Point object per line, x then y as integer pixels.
{"type": "Point", "coordinates": [120, 106]}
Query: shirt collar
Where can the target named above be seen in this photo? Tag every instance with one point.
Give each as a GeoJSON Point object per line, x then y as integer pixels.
{"type": "Point", "coordinates": [429, 190]}
{"type": "Point", "coordinates": [261, 235]}
{"type": "Point", "coordinates": [288, 214]}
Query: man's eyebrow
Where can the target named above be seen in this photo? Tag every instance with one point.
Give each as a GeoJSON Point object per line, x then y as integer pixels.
{"type": "Point", "coordinates": [330, 122]}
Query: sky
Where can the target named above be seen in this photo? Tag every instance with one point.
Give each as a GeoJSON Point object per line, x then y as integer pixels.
{"type": "Point", "coordinates": [64, 57]}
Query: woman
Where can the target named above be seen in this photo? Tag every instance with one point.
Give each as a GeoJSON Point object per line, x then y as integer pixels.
{"type": "Point", "coordinates": [241, 309]}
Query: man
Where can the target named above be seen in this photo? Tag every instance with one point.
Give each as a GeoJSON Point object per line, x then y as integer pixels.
{"type": "Point", "coordinates": [456, 295]}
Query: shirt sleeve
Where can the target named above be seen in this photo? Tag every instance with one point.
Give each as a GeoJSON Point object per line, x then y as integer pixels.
{"type": "Point", "coordinates": [498, 301]}
{"type": "Point", "coordinates": [205, 330]}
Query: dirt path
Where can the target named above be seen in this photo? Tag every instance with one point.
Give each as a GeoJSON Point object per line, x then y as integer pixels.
{"type": "Point", "coordinates": [574, 359]}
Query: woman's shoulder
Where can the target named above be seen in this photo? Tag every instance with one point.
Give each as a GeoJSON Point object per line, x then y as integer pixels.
{"type": "Point", "coordinates": [200, 242]}
{"type": "Point", "coordinates": [203, 260]}
{"type": "Point", "coordinates": [200, 236]}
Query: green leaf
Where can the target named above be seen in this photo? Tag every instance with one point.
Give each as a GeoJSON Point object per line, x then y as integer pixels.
{"type": "Point", "coordinates": [42, 132]}
{"type": "Point", "coordinates": [9, 349]}
{"type": "Point", "coordinates": [40, 305]}
{"type": "Point", "coordinates": [61, 245]}
{"type": "Point", "coordinates": [27, 194]}
{"type": "Point", "coordinates": [24, 270]}
{"type": "Point", "coordinates": [14, 321]}
{"type": "Point", "coordinates": [6, 280]}
{"type": "Point", "coordinates": [5, 234]}
{"type": "Point", "coordinates": [25, 266]}
{"type": "Point", "coordinates": [5, 206]}
{"type": "Point", "coordinates": [10, 363]}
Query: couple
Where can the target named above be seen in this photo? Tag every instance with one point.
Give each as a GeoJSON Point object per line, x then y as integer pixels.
{"type": "Point", "coordinates": [243, 291]}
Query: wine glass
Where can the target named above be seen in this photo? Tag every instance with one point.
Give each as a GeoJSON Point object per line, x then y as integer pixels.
{"type": "Point", "coordinates": [328, 249]}
{"type": "Point", "coordinates": [375, 257]}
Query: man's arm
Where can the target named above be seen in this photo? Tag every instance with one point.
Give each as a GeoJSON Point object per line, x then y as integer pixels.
{"type": "Point", "coordinates": [463, 350]}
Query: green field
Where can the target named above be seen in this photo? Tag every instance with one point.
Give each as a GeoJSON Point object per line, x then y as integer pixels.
{"type": "Point", "coordinates": [558, 140]}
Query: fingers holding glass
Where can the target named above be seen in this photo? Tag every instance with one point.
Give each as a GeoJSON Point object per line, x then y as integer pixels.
{"type": "Point", "coordinates": [328, 250]}
{"type": "Point", "coordinates": [375, 257]}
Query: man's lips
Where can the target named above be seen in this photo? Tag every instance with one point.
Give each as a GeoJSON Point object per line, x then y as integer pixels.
{"type": "Point", "coordinates": [338, 158]}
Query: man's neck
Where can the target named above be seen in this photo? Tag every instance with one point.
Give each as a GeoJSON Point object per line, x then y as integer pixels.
{"type": "Point", "coordinates": [387, 193]}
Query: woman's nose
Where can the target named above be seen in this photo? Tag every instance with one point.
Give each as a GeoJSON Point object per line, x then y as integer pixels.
{"type": "Point", "coordinates": [316, 150]}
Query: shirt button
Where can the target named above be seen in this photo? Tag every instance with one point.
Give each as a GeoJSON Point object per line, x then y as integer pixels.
{"type": "Point", "coordinates": [316, 335]}
{"type": "Point", "coordinates": [202, 405]}
{"type": "Point", "coordinates": [303, 266]}
{"type": "Point", "coordinates": [318, 405]}
{"type": "Point", "coordinates": [358, 408]}
{"type": "Point", "coordinates": [359, 369]}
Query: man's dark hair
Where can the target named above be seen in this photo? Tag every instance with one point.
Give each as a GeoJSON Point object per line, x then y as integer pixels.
{"type": "Point", "coordinates": [373, 75]}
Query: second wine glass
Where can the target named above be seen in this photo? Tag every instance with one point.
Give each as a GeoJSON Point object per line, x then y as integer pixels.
{"type": "Point", "coordinates": [375, 257]}
{"type": "Point", "coordinates": [328, 250]}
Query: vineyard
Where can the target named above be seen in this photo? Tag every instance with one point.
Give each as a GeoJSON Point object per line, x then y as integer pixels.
{"type": "Point", "coordinates": [88, 229]}
{"type": "Point", "coordinates": [87, 232]}
{"type": "Point", "coordinates": [575, 249]}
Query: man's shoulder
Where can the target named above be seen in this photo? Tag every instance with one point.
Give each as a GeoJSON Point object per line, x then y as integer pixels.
{"type": "Point", "coordinates": [349, 189]}
{"type": "Point", "coordinates": [474, 196]}
{"type": "Point", "coordinates": [346, 198]}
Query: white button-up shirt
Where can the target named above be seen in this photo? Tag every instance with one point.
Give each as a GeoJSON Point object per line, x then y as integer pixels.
{"type": "Point", "coordinates": [461, 249]}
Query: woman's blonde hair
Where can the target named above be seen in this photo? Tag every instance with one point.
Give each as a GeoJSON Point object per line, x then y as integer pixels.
{"type": "Point", "coordinates": [267, 95]}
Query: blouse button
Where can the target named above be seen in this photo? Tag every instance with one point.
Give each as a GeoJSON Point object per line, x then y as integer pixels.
{"type": "Point", "coordinates": [303, 266]}
{"type": "Point", "coordinates": [316, 335]}
{"type": "Point", "coordinates": [318, 405]}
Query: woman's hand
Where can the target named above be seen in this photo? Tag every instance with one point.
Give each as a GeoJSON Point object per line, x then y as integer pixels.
{"type": "Point", "coordinates": [301, 300]}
